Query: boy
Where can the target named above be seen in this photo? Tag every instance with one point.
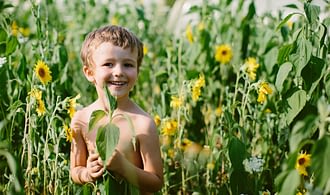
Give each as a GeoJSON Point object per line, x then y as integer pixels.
{"type": "Point", "coordinates": [112, 56]}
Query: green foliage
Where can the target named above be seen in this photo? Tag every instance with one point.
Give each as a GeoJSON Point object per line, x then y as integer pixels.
{"type": "Point", "coordinates": [207, 143]}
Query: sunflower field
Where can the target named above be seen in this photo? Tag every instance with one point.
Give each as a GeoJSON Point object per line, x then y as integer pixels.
{"type": "Point", "coordinates": [241, 99]}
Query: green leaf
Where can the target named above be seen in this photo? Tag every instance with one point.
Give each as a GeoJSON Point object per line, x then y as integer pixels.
{"type": "Point", "coordinates": [283, 53]}
{"type": "Point", "coordinates": [282, 74]}
{"type": "Point", "coordinates": [3, 35]}
{"type": "Point", "coordinates": [302, 130]}
{"type": "Point", "coordinates": [95, 117]}
{"type": "Point", "coordinates": [312, 73]}
{"type": "Point", "coordinates": [296, 102]}
{"type": "Point", "coordinates": [106, 141]}
{"type": "Point", "coordinates": [11, 45]}
{"type": "Point", "coordinates": [63, 55]}
{"type": "Point", "coordinates": [111, 99]}
{"type": "Point", "coordinates": [290, 183]}
{"type": "Point", "coordinates": [271, 59]}
{"type": "Point", "coordinates": [312, 13]}
{"type": "Point", "coordinates": [303, 55]}
{"type": "Point", "coordinates": [285, 20]}
{"type": "Point", "coordinates": [321, 161]}
{"type": "Point", "coordinates": [237, 153]}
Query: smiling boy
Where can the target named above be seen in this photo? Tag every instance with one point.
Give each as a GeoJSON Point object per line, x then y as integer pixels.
{"type": "Point", "coordinates": [111, 56]}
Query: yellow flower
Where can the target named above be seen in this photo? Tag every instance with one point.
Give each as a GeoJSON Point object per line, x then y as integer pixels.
{"type": "Point", "coordinates": [176, 102]}
{"type": "Point", "coordinates": [210, 166]}
{"type": "Point", "coordinates": [68, 133]}
{"type": "Point", "coordinates": [218, 111]}
{"type": "Point", "coordinates": [185, 144]}
{"type": "Point", "coordinates": [264, 90]}
{"type": "Point", "coordinates": [72, 105]}
{"type": "Point", "coordinates": [251, 67]}
{"type": "Point", "coordinates": [189, 34]}
{"type": "Point", "coordinates": [169, 127]}
{"type": "Point", "coordinates": [303, 161]}
{"type": "Point", "coordinates": [24, 31]}
{"type": "Point", "coordinates": [196, 92]}
{"type": "Point", "coordinates": [289, 23]}
{"type": "Point", "coordinates": [41, 110]}
{"type": "Point", "coordinates": [157, 119]}
{"type": "Point", "coordinates": [201, 26]}
{"type": "Point", "coordinates": [145, 50]}
{"type": "Point", "coordinates": [114, 21]}
{"type": "Point", "coordinates": [42, 71]}
{"type": "Point", "coordinates": [200, 81]}
{"type": "Point", "coordinates": [14, 28]}
{"type": "Point", "coordinates": [170, 153]}
{"type": "Point", "coordinates": [196, 88]}
{"type": "Point", "coordinates": [223, 53]}
{"type": "Point", "coordinates": [36, 93]}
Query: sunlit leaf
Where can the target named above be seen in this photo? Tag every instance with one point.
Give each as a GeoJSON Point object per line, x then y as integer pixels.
{"type": "Point", "coordinates": [296, 102]}
{"type": "Point", "coordinates": [321, 161]}
{"type": "Point", "coordinates": [96, 116]}
{"type": "Point", "coordinates": [106, 140]}
{"type": "Point", "coordinates": [282, 74]}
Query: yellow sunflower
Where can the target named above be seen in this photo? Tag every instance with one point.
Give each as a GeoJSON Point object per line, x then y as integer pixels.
{"type": "Point", "coordinates": [72, 105]}
{"type": "Point", "coordinates": [176, 102]}
{"type": "Point", "coordinates": [157, 119]}
{"type": "Point", "coordinates": [169, 127]}
{"type": "Point", "coordinates": [41, 110]}
{"type": "Point", "coordinates": [264, 90]}
{"type": "Point", "coordinates": [196, 88]}
{"type": "Point", "coordinates": [223, 53]}
{"type": "Point", "coordinates": [251, 67]}
{"type": "Point", "coordinates": [42, 71]}
{"type": "Point", "coordinates": [68, 133]}
{"type": "Point", "coordinates": [303, 161]}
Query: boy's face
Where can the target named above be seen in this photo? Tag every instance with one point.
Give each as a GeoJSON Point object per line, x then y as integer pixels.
{"type": "Point", "coordinates": [114, 66]}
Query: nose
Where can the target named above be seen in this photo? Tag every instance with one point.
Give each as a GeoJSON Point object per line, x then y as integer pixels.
{"type": "Point", "coordinates": [118, 70]}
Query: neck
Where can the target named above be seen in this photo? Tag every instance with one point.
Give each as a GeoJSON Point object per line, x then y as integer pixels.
{"type": "Point", "coordinates": [123, 104]}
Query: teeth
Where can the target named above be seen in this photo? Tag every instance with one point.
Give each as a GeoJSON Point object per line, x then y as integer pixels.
{"type": "Point", "coordinates": [118, 82]}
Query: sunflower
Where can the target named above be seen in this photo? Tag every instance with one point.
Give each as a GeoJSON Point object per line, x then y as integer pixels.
{"type": "Point", "coordinates": [264, 90]}
{"type": "Point", "coordinates": [196, 88]}
{"type": "Point", "coordinates": [42, 71]}
{"type": "Point", "coordinates": [303, 161]}
{"type": "Point", "coordinates": [157, 119]}
{"type": "Point", "coordinates": [176, 102]}
{"type": "Point", "coordinates": [169, 127]}
{"type": "Point", "coordinates": [223, 53]}
{"type": "Point", "coordinates": [72, 105]}
{"type": "Point", "coordinates": [68, 133]}
{"type": "Point", "coordinates": [41, 110]}
{"type": "Point", "coordinates": [251, 67]}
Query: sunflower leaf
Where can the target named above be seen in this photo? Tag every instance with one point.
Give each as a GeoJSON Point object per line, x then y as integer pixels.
{"type": "Point", "coordinates": [95, 117]}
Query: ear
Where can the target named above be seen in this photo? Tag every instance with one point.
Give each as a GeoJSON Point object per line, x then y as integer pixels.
{"type": "Point", "coordinates": [89, 74]}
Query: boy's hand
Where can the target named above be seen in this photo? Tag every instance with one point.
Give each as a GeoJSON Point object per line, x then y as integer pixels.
{"type": "Point", "coordinates": [115, 161]}
{"type": "Point", "coordinates": [94, 167]}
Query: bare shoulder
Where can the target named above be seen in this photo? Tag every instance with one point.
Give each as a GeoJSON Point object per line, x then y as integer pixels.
{"type": "Point", "coordinates": [143, 121]}
{"type": "Point", "coordinates": [81, 117]}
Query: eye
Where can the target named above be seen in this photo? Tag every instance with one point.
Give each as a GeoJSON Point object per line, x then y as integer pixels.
{"type": "Point", "coordinates": [128, 65]}
{"type": "Point", "coordinates": [108, 65]}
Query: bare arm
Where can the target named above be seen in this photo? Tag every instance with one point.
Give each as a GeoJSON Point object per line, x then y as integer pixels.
{"type": "Point", "coordinates": [82, 169]}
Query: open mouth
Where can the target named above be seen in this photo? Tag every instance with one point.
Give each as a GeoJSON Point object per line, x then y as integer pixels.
{"type": "Point", "coordinates": [118, 83]}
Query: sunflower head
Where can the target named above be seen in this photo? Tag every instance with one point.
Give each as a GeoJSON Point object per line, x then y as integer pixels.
{"type": "Point", "coordinates": [303, 161]}
{"type": "Point", "coordinates": [223, 53]}
{"type": "Point", "coordinates": [42, 71]}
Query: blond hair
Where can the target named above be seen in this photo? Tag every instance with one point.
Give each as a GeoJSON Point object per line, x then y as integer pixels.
{"type": "Point", "coordinates": [116, 35]}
